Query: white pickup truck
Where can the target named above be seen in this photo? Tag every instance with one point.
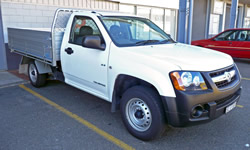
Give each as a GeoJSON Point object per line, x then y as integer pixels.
{"type": "Point", "coordinates": [132, 63]}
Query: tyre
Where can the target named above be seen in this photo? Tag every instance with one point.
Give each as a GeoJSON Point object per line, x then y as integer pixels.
{"type": "Point", "coordinates": [142, 113]}
{"type": "Point", "coordinates": [36, 79]}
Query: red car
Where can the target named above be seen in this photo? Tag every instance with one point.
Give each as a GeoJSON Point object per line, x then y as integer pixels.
{"type": "Point", "coordinates": [235, 42]}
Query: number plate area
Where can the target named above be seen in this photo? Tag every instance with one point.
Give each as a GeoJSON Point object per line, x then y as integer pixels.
{"type": "Point", "coordinates": [231, 107]}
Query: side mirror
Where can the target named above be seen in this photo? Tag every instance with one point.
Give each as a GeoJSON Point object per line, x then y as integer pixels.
{"type": "Point", "coordinates": [92, 41]}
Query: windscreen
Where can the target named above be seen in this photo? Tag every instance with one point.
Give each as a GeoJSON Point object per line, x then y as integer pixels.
{"type": "Point", "coordinates": [133, 31]}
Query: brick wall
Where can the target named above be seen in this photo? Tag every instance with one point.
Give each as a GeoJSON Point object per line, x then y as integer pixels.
{"type": "Point", "coordinates": [39, 13]}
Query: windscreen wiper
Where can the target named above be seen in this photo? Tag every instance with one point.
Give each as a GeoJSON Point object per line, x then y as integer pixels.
{"type": "Point", "coordinates": [146, 42]}
{"type": "Point", "coordinates": [166, 41]}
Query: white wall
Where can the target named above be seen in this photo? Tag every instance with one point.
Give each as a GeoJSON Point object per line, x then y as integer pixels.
{"type": "Point", "coordinates": [39, 13]}
{"type": "Point", "coordinates": [174, 4]}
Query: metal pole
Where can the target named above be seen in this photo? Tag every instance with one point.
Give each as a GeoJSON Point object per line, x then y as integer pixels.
{"type": "Point", "coordinates": [240, 18]}
{"type": "Point", "coordinates": [224, 16]}
{"type": "Point", "coordinates": [208, 18]}
{"type": "Point", "coordinates": [244, 15]}
{"type": "Point", "coordinates": [233, 13]}
{"type": "Point", "coordinates": [3, 60]}
{"type": "Point", "coordinates": [190, 21]}
{"type": "Point", "coordinates": [182, 21]}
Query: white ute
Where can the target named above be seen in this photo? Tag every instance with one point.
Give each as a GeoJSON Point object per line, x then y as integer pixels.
{"type": "Point", "coordinates": [132, 63]}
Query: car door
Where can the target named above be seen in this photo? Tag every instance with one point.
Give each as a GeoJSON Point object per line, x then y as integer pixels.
{"type": "Point", "coordinates": [224, 41]}
{"type": "Point", "coordinates": [241, 47]}
{"type": "Point", "coordinates": [83, 67]}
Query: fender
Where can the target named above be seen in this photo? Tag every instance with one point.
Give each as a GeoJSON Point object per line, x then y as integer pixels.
{"type": "Point", "coordinates": [157, 80]}
{"type": "Point", "coordinates": [42, 67]}
{"type": "Point", "coordinates": [162, 83]}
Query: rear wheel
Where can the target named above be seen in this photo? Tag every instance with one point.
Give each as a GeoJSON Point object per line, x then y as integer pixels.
{"type": "Point", "coordinates": [142, 113]}
{"type": "Point", "coordinates": [35, 78]}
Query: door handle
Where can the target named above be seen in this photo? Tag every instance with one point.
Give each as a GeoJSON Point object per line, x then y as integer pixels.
{"type": "Point", "coordinates": [69, 50]}
{"type": "Point", "coordinates": [229, 42]}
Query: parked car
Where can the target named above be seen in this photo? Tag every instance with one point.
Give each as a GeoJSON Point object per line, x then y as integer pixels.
{"type": "Point", "coordinates": [235, 42]}
{"type": "Point", "coordinates": [135, 65]}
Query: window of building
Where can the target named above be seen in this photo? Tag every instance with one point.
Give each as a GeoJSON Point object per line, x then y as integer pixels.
{"type": "Point", "coordinates": [218, 7]}
{"type": "Point", "coordinates": [130, 9]}
{"type": "Point", "coordinates": [157, 16]}
{"type": "Point", "coordinates": [144, 11]}
{"type": "Point", "coordinates": [248, 12]}
{"type": "Point", "coordinates": [214, 24]}
{"type": "Point", "coordinates": [247, 23]}
{"type": "Point", "coordinates": [170, 22]}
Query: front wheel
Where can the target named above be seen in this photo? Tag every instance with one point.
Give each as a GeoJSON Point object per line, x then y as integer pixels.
{"type": "Point", "coordinates": [142, 113]}
{"type": "Point", "coordinates": [35, 78]}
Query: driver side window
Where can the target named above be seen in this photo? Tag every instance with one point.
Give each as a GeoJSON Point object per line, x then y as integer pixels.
{"type": "Point", "coordinates": [227, 36]}
{"type": "Point", "coordinates": [233, 36]}
{"type": "Point", "coordinates": [82, 27]}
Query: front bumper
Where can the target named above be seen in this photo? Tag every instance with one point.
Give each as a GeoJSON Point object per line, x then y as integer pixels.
{"type": "Point", "coordinates": [214, 102]}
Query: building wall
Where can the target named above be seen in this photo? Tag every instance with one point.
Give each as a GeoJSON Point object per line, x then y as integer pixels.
{"type": "Point", "coordinates": [39, 13]}
{"type": "Point", "coordinates": [171, 4]}
{"type": "Point", "coordinates": [3, 62]}
{"type": "Point", "coordinates": [199, 19]}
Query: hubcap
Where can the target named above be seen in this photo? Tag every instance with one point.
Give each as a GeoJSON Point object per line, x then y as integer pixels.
{"type": "Point", "coordinates": [32, 73]}
{"type": "Point", "coordinates": [138, 114]}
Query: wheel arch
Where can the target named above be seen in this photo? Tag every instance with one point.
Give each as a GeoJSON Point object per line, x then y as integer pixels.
{"type": "Point", "coordinates": [124, 82]}
{"type": "Point", "coordinates": [41, 67]}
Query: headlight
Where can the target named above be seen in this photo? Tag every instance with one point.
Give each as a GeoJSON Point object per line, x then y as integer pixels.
{"type": "Point", "coordinates": [188, 81]}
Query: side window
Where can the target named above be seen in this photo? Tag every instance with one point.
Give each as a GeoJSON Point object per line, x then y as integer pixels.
{"type": "Point", "coordinates": [81, 27]}
{"type": "Point", "coordinates": [233, 36]}
{"type": "Point", "coordinates": [248, 35]}
{"type": "Point", "coordinates": [243, 36]}
{"type": "Point", "coordinates": [222, 36]}
{"type": "Point", "coordinates": [227, 36]}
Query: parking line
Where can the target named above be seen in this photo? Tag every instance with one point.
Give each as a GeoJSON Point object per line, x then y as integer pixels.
{"type": "Point", "coordinates": [245, 78]}
{"type": "Point", "coordinates": [13, 84]}
{"type": "Point", "coordinates": [240, 106]}
{"type": "Point", "coordinates": [104, 134]}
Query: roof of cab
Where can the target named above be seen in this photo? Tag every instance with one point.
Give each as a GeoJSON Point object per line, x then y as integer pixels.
{"type": "Point", "coordinates": [107, 13]}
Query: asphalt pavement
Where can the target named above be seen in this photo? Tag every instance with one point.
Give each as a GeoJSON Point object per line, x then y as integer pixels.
{"type": "Point", "coordinates": [61, 117]}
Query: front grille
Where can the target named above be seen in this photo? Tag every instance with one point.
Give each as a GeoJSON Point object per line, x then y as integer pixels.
{"type": "Point", "coordinates": [214, 74]}
{"type": "Point", "coordinates": [224, 83]}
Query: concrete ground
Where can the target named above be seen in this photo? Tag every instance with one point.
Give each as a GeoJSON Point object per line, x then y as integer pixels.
{"type": "Point", "coordinates": [8, 78]}
{"type": "Point", "coordinates": [59, 116]}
